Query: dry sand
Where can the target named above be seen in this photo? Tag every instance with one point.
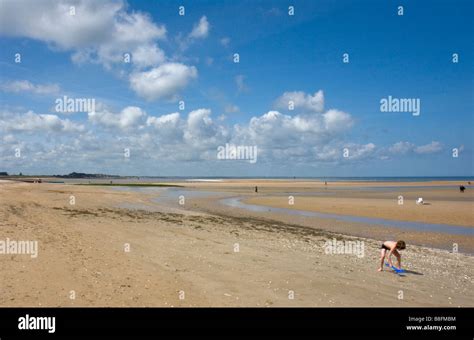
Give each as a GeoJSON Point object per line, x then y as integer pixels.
{"type": "Point", "coordinates": [175, 252]}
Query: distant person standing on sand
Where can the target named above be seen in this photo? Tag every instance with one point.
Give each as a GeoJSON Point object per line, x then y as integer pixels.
{"type": "Point", "coordinates": [393, 248]}
{"type": "Point", "coordinates": [256, 189]}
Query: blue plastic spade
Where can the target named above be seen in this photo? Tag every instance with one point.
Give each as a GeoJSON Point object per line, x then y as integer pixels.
{"type": "Point", "coordinates": [395, 269]}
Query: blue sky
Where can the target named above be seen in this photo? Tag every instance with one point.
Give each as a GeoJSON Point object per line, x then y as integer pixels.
{"type": "Point", "coordinates": [282, 58]}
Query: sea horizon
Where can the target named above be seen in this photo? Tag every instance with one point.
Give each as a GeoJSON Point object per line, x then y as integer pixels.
{"type": "Point", "coordinates": [400, 179]}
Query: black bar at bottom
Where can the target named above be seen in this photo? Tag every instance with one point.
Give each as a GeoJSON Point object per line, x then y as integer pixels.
{"type": "Point", "coordinates": [222, 323]}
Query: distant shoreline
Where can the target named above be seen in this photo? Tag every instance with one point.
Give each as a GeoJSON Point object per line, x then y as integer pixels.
{"type": "Point", "coordinates": [223, 178]}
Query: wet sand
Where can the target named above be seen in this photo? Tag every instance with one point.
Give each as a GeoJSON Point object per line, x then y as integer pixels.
{"type": "Point", "coordinates": [443, 205]}
{"type": "Point", "coordinates": [435, 211]}
{"type": "Point", "coordinates": [190, 252]}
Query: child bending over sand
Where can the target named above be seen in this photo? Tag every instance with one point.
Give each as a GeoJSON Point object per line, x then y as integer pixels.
{"type": "Point", "coordinates": [393, 248]}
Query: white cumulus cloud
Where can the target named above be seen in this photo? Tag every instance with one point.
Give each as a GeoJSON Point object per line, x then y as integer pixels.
{"type": "Point", "coordinates": [201, 130]}
{"type": "Point", "coordinates": [31, 122]}
{"type": "Point", "coordinates": [432, 147]}
{"type": "Point", "coordinates": [402, 148]}
{"type": "Point", "coordinates": [18, 86]}
{"type": "Point", "coordinates": [301, 101]}
{"type": "Point", "coordinates": [201, 29]}
{"type": "Point", "coordinates": [357, 151]}
{"type": "Point", "coordinates": [335, 120]}
{"type": "Point", "coordinates": [162, 82]}
{"type": "Point", "coordinates": [168, 120]}
{"type": "Point", "coordinates": [129, 117]}
{"type": "Point", "coordinates": [97, 31]}
{"type": "Point", "coordinates": [148, 55]}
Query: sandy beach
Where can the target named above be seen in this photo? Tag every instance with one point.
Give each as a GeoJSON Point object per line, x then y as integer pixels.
{"type": "Point", "coordinates": [126, 248]}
